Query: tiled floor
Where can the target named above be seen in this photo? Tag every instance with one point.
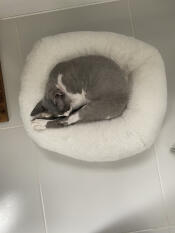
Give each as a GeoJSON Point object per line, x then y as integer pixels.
{"type": "Point", "coordinates": [41, 192]}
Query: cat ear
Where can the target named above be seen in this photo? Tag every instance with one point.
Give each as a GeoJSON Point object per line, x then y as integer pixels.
{"type": "Point", "coordinates": [59, 93]}
{"type": "Point", "coordinates": [38, 109]}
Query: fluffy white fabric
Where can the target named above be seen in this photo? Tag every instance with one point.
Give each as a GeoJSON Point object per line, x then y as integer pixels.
{"type": "Point", "coordinates": [111, 140]}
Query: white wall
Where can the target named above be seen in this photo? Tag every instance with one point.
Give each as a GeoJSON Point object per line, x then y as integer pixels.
{"type": "Point", "coordinates": [11, 8]}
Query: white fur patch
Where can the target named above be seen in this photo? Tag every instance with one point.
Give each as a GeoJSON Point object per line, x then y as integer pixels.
{"type": "Point", "coordinates": [66, 113]}
{"type": "Point", "coordinates": [60, 84]}
{"type": "Point", "coordinates": [73, 118]}
{"type": "Point", "coordinates": [45, 114]}
{"type": "Point", "coordinates": [39, 124]}
{"type": "Point", "coordinates": [77, 99]}
{"type": "Point", "coordinates": [108, 117]}
{"type": "Point", "coordinates": [41, 115]}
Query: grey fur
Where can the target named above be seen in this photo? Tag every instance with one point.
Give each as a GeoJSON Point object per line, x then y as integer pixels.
{"type": "Point", "coordinates": [102, 80]}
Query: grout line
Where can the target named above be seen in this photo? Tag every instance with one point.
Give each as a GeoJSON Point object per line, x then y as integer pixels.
{"type": "Point", "coordinates": [43, 208]}
{"type": "Point", "coordinates": [154, 229]}
{"type": "Point", "coordinates": [12, 127]}
{"type": "Point", "coordinates": [58, 9]}
{"type": "Point", "coordinates": [131, 19]}
{"type": "Point", "coordinates": [161, 185]}
{"type": "Point", "coordinates": [41, 195]}
{"type": "Point", "coordinates": [151, 229]}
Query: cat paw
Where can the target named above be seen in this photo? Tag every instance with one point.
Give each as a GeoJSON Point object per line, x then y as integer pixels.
{"type": "Point", "coordinates": [58, 123]}
{"type": "Point", "coordinates": [63, 122]}
{"type": "Point", "coordinates": [39, 124]}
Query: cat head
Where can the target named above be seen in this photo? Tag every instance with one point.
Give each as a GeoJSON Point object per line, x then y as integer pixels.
{"type": "Point", "coordinates": [55, 103]}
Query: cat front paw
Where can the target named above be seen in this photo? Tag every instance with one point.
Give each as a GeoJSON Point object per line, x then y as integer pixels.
{"type": "Point", "coordinates": [58, 123]}
{"type": "Point", "coordinates": [39, 124]}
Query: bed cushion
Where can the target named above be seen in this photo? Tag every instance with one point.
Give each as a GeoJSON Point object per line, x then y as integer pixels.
{"type": "Point", "coordinates": [131, 133]}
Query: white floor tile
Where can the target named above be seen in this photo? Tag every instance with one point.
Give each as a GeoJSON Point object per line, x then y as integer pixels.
{"type": "Point", "coordinates": [101, 198]}
{"type": "Point", "coordinates": [10, 8]}
{"type": "Point", "coordinates": [163, 230]}
{"type": "Point", "coordinates": [20, 205]}
{"type": "Point", "coordinates": [105, 17]}
{"type": "Point", "coordinates": [154, 22]}
{"type": "Point", "coordinates": [172, 230]}
{"type": "Point", "coordinates": [11, 62]}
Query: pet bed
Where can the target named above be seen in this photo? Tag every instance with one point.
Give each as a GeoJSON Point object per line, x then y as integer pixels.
{"type": "Point", "coordinates": [131, 133]}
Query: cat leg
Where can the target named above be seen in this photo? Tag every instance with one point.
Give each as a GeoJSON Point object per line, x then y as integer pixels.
{"type": "Point", "coordinates": [63, 122]}
{"type": "Point", "coordinates": [43, 115]}
{"type": "Point", "coordinates": [93, 111]}
{"type": "Point", "coordinates": [42, 124]}
{"type": "Point", "coordinates": [100, 110]}
{"type": "Point", "coordinates": [39, 124]}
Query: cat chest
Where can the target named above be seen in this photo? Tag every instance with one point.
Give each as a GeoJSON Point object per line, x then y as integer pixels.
{"type": "Point", "coordinates": [77, 99]}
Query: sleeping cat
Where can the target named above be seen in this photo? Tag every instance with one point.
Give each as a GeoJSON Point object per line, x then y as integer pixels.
{"type": "Point", "coordinates": [84, 89]}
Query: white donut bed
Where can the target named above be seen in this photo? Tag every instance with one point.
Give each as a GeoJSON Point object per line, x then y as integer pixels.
{"type": "Point", "coordinates": [108, 140]}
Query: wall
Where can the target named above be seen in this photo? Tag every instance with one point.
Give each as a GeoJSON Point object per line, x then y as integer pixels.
{"type": "Point", "coordinates": [13, 8]}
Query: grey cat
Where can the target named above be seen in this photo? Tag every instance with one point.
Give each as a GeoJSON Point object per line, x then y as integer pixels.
{"type": "Point", "coordinates": [84, 89]}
